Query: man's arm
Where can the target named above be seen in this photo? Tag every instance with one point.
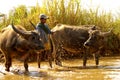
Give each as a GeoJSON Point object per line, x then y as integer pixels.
{"type": "Point", "coordinates": [48, 29]}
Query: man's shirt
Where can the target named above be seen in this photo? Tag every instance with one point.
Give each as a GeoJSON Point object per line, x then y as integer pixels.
{"type": "Point", "coordinates": [44, 27]}
{"type": "Point", "coordinates": [43, 30]}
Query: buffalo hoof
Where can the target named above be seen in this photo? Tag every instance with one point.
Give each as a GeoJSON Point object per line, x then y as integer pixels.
{"type": "Point", "coordinates": [26, 70]}
{"type": "Point", "coordinates": [7, 70]}
{"type": "Point", "coordinates": [50, 64]}
{"type": "Point", "coordinates": [59, 64]}
{"type": "Point", "coordinates": [84, 67]}
{"type": "Point", "coordinates": [96, 65]}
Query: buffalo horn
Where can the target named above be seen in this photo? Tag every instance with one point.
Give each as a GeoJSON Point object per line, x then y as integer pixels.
{"type": "Point", "coordinates": [19, 31]}
{"type": "Point", "coordinates": [32, 25]}
{"type": "Point", "coordinates": [107, 33]}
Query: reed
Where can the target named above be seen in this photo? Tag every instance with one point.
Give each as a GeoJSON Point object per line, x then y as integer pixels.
{"type": "Point", "coordinates": [61, 11]}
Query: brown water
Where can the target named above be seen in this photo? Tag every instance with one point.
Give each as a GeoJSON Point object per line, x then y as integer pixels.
{"type": "Point", "coordinates": [109, 69]}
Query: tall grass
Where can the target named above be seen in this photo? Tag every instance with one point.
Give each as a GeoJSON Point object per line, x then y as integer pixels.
{"type": "Point", "coordinates": [60, 11]}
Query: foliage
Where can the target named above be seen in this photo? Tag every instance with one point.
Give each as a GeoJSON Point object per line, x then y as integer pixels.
{"type": "Point", "coordinates": [60, 11]}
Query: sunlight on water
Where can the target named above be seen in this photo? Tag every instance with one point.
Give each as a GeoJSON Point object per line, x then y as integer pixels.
{"type": "Point", "coordinates": [109, 69]}
{"type": "Point", "coordinates": [113, 74]}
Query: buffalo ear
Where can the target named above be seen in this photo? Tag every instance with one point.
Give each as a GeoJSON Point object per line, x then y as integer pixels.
{"type": "Point", "coordinates": [93, 27]}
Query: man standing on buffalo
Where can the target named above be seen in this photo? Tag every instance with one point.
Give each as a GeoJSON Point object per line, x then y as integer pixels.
{"type": "Point", "coordinates": [43, 29]}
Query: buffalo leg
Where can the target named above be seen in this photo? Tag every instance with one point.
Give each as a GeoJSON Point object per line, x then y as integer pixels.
{"type": "Point", "coordinates": [85, 57]}
{"type": "Point", "coordinates": [26, 62]}
{"type": "Point", "coordinates": [8, 63]}
{"type": "Point", "coordinates": [49, 58]}
{"type": "Point", "coordinates": [58, 55]}
{"type": "Point", "coordinates": [96, 56]}
{"type": "Point", "coordinates": [57, 58]}
{"type": "Point", "coordinates": [39, 59]}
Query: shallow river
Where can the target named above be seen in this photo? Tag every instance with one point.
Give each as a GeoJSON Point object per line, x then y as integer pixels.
{"type": "Point", "coordinates": [109, 69]}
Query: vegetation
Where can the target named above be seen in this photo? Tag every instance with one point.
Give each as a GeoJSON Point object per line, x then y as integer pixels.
{"type": "Point", "coordinates": [65, 12]}
{"type": "Point", "coordinates": [60, 11]}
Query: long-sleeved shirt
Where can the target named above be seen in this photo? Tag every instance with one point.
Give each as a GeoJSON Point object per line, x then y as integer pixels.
{"type": "Point", "coordinates": [44, 27]}
{"type": "Point", "coordinates": [44, 30]}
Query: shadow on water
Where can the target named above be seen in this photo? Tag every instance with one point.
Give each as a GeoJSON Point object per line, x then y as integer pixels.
{"type": "Point", "coordinates": [93, 67]}
{"type": "Point", "coordinates": [20, 72]}
{"type": "Point", "coordinates": [43, 72]}
{"type": "Point", "coordinates": [78, 68]}
{"type": "Point", "coordinates": [30, 73]}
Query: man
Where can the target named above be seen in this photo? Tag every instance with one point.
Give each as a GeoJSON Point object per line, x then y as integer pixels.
{"type": "Point", "coordinates": [43, 28]}
{"type": "Point", "coordinates": [44, 32]}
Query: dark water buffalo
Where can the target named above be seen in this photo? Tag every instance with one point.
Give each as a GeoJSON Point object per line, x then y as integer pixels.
{"type": "Point", "coordinates": [71, 39]}
{"type": "Point", "coordinates": [15, 41]}
{"type": "Point", "coordinates": [97, 42]}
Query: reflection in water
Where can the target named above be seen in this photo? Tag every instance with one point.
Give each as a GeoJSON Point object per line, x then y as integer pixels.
{"type": "Point", "coordinates": [109, 69]}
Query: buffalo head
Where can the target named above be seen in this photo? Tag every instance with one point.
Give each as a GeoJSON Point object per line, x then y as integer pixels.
{"type": "Point", "coordinates": [96, 38]}
{"type": "Point", "coordinates": [30, 38]}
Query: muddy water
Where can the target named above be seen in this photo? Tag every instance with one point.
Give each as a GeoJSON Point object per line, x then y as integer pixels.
{"type": "Point", "coordinates": [109, 69]}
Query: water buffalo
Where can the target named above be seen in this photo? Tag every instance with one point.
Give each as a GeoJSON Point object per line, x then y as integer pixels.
{"type": "Point", "coordinates": [97, 42]}
{"type": "Point", "coordinates": [71, 39]}
{"type": "Point", "coordinates": [16, 41]}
